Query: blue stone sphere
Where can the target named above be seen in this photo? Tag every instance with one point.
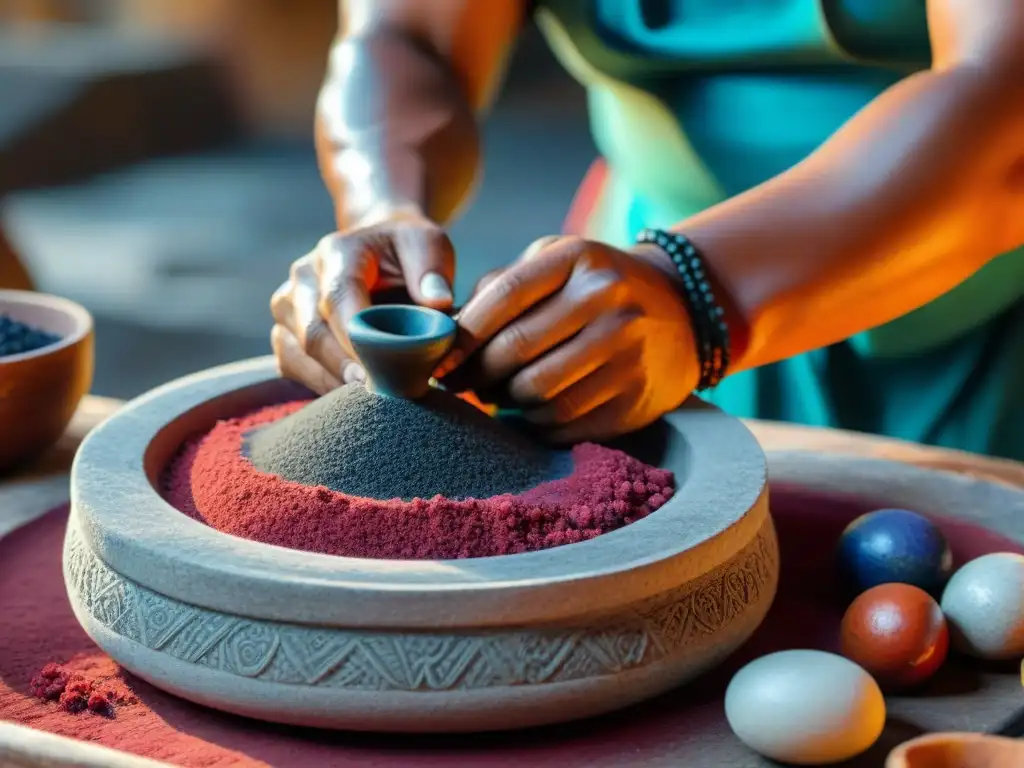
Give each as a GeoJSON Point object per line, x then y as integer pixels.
{"type": "Point", "coordinates": [894, 545]}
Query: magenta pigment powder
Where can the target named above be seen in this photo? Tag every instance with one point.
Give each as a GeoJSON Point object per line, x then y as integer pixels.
{"type": "Point", "coordinates": [213, 481]}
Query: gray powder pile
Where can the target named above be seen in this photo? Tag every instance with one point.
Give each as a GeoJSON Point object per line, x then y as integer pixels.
{"type": "Point", "coordinates": [361, 444]}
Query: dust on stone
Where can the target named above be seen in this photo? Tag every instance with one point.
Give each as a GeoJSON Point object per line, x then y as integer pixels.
{"type": "Point", "coordinates": [361, 444]}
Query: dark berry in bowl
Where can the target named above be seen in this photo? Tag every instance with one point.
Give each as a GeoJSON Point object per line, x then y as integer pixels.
{"type": "Point", "coordinates": [17, 338]}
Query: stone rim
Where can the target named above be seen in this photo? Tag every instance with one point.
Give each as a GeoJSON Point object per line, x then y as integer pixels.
{"type": "Point", "coordinates": [692, 618]}
{"type": "Point", "coordinates": [128, 525]}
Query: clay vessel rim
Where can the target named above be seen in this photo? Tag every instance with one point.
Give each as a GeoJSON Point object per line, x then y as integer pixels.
{"type": "Point", "coordinates": [965, 748]}
{"type": "Point", "coordinates": [80, 320]}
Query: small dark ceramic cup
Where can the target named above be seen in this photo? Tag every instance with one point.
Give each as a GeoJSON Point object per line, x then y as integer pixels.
{"type": "Point", "coordinates": [399, 346]}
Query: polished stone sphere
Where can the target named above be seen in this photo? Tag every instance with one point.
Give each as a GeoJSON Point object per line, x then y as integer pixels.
{"type": "Point", "coordinates": [897, 633]}
{"type": "Point", "coordinates": [894, 545]}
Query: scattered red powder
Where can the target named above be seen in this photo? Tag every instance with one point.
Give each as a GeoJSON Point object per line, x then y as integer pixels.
{"type": "Point", "coordinates": [76, 695]}
{"type": "Point", "coordinates": [75, 690]}
{"type": "Point", "coordinates": [50, 683]}
{"type": "Point", "coordinates": [211, 481]}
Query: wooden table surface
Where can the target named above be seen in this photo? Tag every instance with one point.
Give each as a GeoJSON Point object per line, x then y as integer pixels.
{"type": "Point", "coordinates": [91, 412]}
{"type": "Point", "coordinates": [43, 485]}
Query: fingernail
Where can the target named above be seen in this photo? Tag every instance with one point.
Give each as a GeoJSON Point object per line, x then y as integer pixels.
{"type": "Point", "coordinates": [454, 359]}
{"type": "Point", "coordinates": [435, 288]}
{"type": "Point", "coordinates": [354, 372]}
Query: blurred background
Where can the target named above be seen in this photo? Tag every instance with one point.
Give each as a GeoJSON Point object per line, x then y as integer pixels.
{"type": "Point", "coordinates": [156, 165]}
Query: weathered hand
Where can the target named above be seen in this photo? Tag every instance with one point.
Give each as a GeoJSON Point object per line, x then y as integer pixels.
{"type": "Point", "coordinates": [337, 279]}
{"type": "Point", "coordinates": [589, 341]}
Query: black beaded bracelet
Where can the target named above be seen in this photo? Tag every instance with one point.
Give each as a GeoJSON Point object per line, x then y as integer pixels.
{"type": "Point", "coordinates": [708, 317]}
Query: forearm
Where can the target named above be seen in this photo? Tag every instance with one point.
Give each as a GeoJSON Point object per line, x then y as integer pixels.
{"type": "Point", "coordinates": [911, 197]}
{"type": "Point", "coordinates": [394, 131]}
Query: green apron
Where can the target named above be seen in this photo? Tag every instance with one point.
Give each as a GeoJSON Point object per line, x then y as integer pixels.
{"type": "Point", "coordinates": [693, 101]}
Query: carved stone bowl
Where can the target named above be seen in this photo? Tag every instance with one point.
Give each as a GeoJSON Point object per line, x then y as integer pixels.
{"type": "Point", "coordinates": [385, 645]}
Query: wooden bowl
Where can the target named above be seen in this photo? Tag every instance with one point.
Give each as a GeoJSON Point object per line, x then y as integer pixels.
{"type": "Point", "coordinates": [478, 644]}
{"type": "Point", "coordinates": [958, 750]}
{"type": "Point", "coordinates": [40, 390]}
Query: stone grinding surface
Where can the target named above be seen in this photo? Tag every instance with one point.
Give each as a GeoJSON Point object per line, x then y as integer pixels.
{"type": "Point", "coordinates": [681, 728]}
{"type": "Point", "coordinates": [359, 443]}
{"type": "Point", "coordinates": [212, 481]}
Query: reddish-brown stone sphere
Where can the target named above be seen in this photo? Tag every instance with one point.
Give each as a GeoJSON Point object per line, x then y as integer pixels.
{"type": "Point", "coordinates": [897, 633]}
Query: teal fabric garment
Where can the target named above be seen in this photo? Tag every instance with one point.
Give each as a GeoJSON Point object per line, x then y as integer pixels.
{"type": "Point", "coordinates": [693, 101]}
{"type": "Point", "coordinates": [965, 394]}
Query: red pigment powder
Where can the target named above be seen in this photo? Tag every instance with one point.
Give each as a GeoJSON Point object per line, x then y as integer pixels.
{"type": "Point", "coordinates": [211, 481]}
{"type": "Point", "coordinates": [76, 691]}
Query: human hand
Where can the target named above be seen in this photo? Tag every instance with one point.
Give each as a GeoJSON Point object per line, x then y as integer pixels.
{"type": "Point", "coordinates": [590, 341]}
{"type": "Point", "coordinates": [338, 278]}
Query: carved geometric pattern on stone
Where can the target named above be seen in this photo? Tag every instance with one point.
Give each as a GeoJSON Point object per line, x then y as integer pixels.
{"type": "Point", "coordinates": [365, 660]}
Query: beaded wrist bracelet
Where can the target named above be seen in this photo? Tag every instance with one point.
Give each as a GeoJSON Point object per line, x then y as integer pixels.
{"type": "Point", "coordinates": [708, 317]}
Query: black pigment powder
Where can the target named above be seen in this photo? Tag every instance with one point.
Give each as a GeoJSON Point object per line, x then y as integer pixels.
{"type": "Point", "coordinates": [362, 444]}
{"type": "Point", "coordinates": [17, 338]}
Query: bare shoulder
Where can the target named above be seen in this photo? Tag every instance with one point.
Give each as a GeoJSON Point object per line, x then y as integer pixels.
{"type": "Point", "coordinates": [473, 36]}
{"type": "Point", "coordinates": [988, 33]}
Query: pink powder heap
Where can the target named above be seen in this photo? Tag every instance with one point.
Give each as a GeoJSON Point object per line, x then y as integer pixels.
{"type": "Point", "coordinates": [76, 691]}
{"type": "Point", "coordinates": [211, 481]}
